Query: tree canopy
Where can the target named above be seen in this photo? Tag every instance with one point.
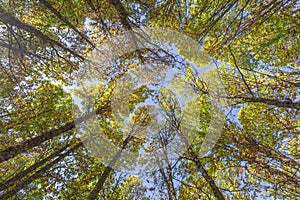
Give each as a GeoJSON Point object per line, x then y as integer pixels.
{"type": "Point", "coordinates": [135, 99]}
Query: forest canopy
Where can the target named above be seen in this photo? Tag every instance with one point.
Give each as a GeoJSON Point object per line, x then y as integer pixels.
{"type": "Point", "coordinates": [111, 99]}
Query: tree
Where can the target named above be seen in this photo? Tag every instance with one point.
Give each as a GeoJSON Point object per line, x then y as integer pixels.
{"type": "Point", "coordinates": [254, 46]}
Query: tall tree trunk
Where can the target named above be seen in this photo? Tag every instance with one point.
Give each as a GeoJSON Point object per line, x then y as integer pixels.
{"type": "Point", "coordinates": [172, 192]}
{"type": "Point", "coordinates": [126, 23]}
{"type": "Point", "coordinates": [168, 177]}
{"type": "Point", "coordinates": [36, 175]}
{"type": "Point", "coordinates": [104, 27]}
{"type": "Point", "coordinates": [10, 19]}
{"type": "Point", "coordinates": [168, 180]}
{"type": "Point", "coordinates": [65, 20]}
{"type": "Point", "coordinates": [122, 13]}
{"type": "Point", "coordinates": [19, 176]}
{"type": "Point", "coordinates": [272, 102]}
{"type": "Point", "coordinates": [275, 102]}
{"type": "Point", "coordinates": [93, 195]}
{"type": "Point", "coordinates": [12, 151]}
{"type": "Point", "coordinates": [217, 193]}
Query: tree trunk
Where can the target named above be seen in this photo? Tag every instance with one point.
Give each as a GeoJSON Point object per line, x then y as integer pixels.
{"type": "Point", "coordinates": [122, 12]}
{"type": "Point", "coordinates": [93, 195]}
{"type": "Point", "coordinates": [6, 184]}
{"type": "Point", "coordinates": [168, 181]}
{"type": "Point", "coordinates": [274, 102]}
{"type": "Point", "coordinates": [65, 20]}
{"type": "Point", "coordinates": [8, 18]}
{"type": "Point", "coordinates": [12, 151]}
{"type": "Point", "coordinates": [43, 170]}
{"type": "Point", "coordinates": [206, 176]}
{"type": "Point", "coordinates": [169, 176]}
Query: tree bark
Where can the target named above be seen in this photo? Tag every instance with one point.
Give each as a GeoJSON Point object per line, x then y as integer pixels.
{"type": "Point", "coordinates": [65, 20]}
{"type": "Point", "coordinates": [274, 102]}
{"type": "Point", "coordinates": [13, 151]}
{"type": "Point", "coordinates": [43, 170]}
{"type": "Point", "coordinates": [217, 193]}
{"type": "Point", "coordinates": [104, 27]}
{"type": "Point", "coordinates": [122, 13]}
{"type": "Point", "coordinates": [10, 19]}
{"type": "Point", "coordinates": [93, 195]}
{"type": "Point", "coordinates": [168, 178]}
{"type": "Point", "coordinates": [19, 176]}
